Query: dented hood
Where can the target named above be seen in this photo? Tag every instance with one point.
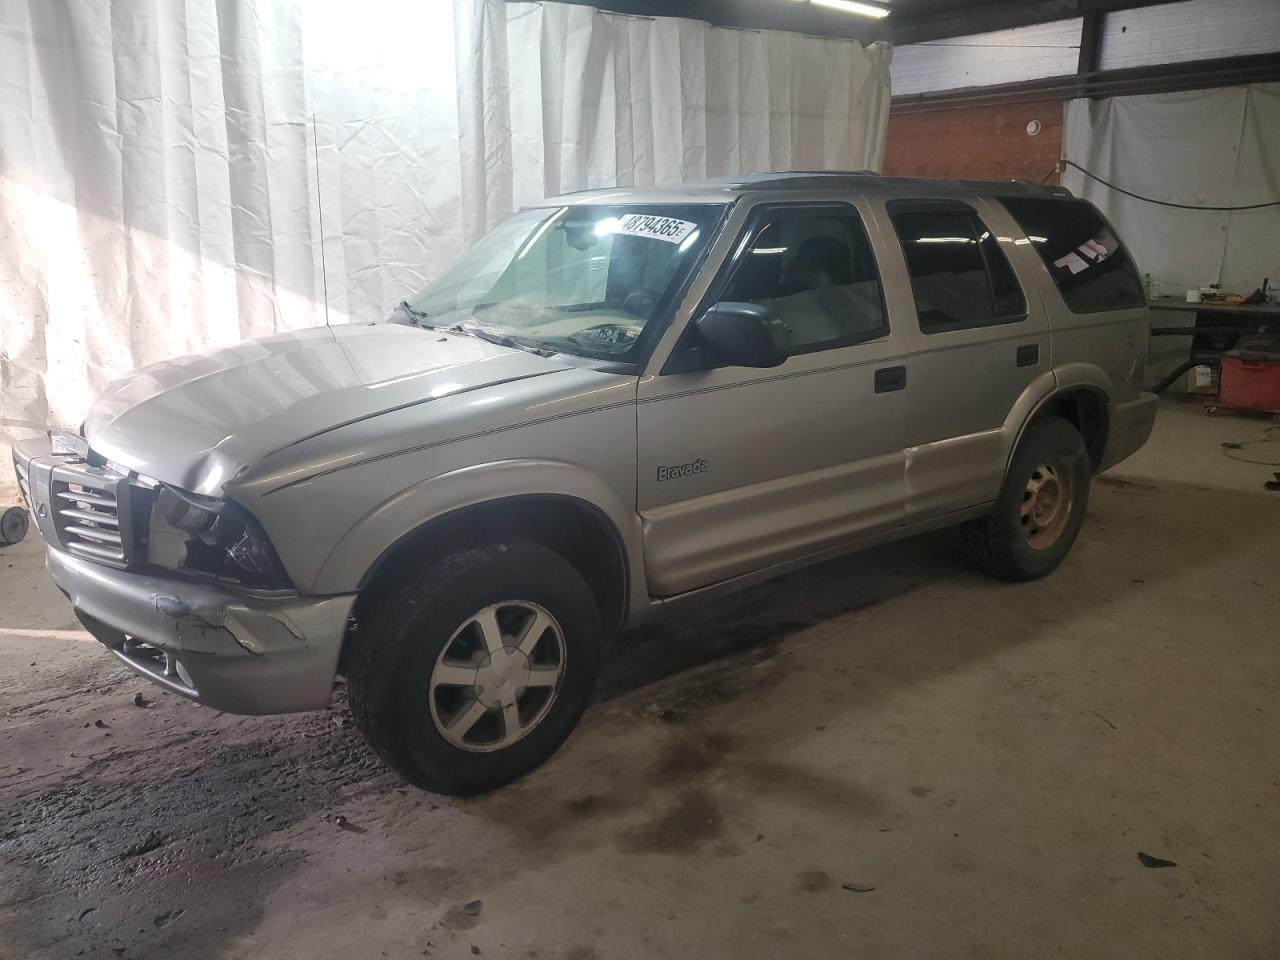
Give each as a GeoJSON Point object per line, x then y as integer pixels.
{"type": "Point", "coordinates": [198, 420]}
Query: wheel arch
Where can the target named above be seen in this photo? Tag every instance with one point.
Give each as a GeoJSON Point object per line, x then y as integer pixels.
{"type": "Point", "coordinates": [559, 505]}
{"type": "Point", "coordinates": [1081, 396]}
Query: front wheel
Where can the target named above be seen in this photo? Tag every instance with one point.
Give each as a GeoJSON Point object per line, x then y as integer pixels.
{"type": "Point", "coordinates": [477, 669]}
{"type": "Point", "coordinates": [1040, 508]}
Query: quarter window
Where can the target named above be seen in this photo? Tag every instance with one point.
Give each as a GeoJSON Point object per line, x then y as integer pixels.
{"type": "Point", "coordinates": [1085, 258]}
{"type": "Point", "coordinates": [959, 275]}
{"type": "Point", "coordinates": [815, 270]}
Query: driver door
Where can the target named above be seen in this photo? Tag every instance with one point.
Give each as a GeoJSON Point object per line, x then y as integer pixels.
{"type": "Point", "coordinates": [739, 468]}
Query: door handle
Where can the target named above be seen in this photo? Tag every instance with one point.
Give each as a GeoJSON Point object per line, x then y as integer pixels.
{"type": "Point", "coordinates": [889, 379]}
{"type": "Point", "coordinates": [1028, 354]}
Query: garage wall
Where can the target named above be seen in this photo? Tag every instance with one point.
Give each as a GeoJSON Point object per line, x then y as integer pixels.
{"type": "Point", "coordinates": [1200, 147]}
{"type": "Point", "coordinates": [981, 142]}
{"type": "Point", "coordinates": [982, 59]}
{"type": "Point", "coordinates": [165, 168]}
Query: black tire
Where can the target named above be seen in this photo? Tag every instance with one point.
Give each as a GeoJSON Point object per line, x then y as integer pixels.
{"type": "Point", "coordinates": [393, 659]}
{"type": "Point", "coordinates": [1000, 543]}
{"type": "Point", "coordinates": [13, 526]}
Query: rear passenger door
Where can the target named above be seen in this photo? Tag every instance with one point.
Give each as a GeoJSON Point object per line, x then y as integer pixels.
{"type": "Point", "coordinates": [986, 342]}
{"type": "Point", "coordinates": [743, 468]}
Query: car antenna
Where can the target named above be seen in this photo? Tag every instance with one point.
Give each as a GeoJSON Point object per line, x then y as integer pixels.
{"type": "Point", "coordinates": [324, 274]}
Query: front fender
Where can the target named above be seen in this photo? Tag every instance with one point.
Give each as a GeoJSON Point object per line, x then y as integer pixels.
{"type": "Point", "coordinates": [379, 530]}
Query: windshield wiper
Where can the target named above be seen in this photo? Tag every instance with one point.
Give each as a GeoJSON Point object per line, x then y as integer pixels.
{"type": "Point", "coordinates": [411, 312]}
{"type": "Point", "coordinates": [501, 339]}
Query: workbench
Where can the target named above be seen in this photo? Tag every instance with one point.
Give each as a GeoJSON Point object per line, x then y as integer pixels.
{"type": "Point", "coordinates": [1183, 332]}
{"type": "Point", "coordinates": [1248, 316]}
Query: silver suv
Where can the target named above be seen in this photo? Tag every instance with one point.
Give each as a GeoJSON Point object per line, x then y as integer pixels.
{"type": "Point", "coordinates": [617, 402]}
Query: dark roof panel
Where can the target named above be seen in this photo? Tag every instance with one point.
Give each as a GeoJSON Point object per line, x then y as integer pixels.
{"type": "Point", "coordinates": [724, 189]}
{"type": "Point", "coordinates": [855, 179]}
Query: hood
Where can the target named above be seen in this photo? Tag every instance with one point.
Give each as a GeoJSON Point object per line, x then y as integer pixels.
{"type": "Point", "coordinates": [198, 420]}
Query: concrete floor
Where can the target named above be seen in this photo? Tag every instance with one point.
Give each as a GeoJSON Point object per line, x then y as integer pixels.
{"type": "Point", "coordinates": [885, 756]}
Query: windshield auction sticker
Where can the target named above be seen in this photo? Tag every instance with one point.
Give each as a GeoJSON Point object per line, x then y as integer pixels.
{"type": "Point", "coordinates": [659, 228]}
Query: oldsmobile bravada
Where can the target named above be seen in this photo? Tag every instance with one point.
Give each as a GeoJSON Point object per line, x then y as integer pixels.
{"type": "Point", "coordinates": [618, 401]}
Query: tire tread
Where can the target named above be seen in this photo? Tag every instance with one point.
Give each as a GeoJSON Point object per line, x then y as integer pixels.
{"type": "Point", "coordinates": [378, 647]}
{"type": "Point", "coordinates": [988, 543]}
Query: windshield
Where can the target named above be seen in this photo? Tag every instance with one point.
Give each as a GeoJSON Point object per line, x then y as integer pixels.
{"type": "Point", "coordinates": [580, 279]}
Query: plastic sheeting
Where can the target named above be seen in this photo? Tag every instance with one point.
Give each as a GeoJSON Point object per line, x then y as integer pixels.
{"type": "Point", "coordinates": [557, 97]}
{"type": "Point", "coordinates": [163, 181]}
{"type": "Point", "coordinates": [1201, 147]}
{"type": "Point", "coordinates": [159, 184]}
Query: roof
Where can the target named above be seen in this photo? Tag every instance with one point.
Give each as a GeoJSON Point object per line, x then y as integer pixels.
{"type": "Point", "coordinates": [724, 189]}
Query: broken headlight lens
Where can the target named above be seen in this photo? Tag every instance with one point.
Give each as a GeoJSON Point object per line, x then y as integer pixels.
{"type": "Point", "coordinates": [185, 512]}
{"type": "Point", "coordinates": [214, 537]}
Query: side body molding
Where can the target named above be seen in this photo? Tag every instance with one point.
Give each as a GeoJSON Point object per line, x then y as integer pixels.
{"type": "Point", "coordinates": [379, 530]}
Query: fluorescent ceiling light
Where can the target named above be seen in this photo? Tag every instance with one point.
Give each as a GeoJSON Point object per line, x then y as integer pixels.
{"type": "Point", "coordinates": [854, 6]}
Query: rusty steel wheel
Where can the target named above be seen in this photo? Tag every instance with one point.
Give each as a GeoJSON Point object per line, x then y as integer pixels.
{"type": "Point", "coordinates": [1047, 502]}
{"type": "Point", "coordinates": [1041, 505]}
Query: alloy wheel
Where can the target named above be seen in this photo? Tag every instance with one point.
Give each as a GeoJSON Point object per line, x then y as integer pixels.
{"type": "Point", "coordinates": [497, 677]}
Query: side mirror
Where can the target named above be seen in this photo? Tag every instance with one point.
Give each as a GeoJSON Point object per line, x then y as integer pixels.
{"type": "Point", "coordinates": [744, 335]}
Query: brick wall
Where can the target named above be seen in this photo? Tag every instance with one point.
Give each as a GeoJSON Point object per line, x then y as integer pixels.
{"type": "Point", "coordinates": [983, 143]}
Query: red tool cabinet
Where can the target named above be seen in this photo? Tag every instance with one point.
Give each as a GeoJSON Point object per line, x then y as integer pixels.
{"type": "Point", "coordinates": [1251, 374]}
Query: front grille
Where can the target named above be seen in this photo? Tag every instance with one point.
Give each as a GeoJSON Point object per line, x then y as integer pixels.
{"type": "Point", "coordinates": [84, 507]}
{"type": "Point", "coordinates": [91, 512]}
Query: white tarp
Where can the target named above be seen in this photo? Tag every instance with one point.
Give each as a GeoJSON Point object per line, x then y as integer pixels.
{"type": "Point", "coordinates": [566, 97]}
{"type": "Point", "coordinates": [159, 183]}
{"type": "Point", "coordinates": [1201, 147]}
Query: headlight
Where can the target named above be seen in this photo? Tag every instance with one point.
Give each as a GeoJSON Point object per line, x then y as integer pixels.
{"type": "Point", "coordinates": [185, 512]}
{"type": "Point", "coordinates": [214, 537]}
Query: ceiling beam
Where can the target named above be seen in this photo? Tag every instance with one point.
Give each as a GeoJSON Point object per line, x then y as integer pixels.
{"type": "Point", "coordinates": [1131, 81]}
{"type": "Point", "coordinates": [958, 19]}
{"type": "Point", "coordinates": [753, 15]}
{"type": "Point", "coordinates": [967, 19]}
{"type": "Point", "coordinates": [1090, 44]}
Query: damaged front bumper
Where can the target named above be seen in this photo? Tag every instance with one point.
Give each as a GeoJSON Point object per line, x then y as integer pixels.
{"type": "Point", "coordinates": [238, 652]}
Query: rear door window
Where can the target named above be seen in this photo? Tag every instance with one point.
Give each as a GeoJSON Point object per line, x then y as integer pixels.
{"type": "Point", "coordinates": [960, 277]}
{"type": "Point", "coordinates": [1085, 258]}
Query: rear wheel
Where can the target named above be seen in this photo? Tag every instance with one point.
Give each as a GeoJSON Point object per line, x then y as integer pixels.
{"type": "Point", "coordinates": [1041, 506]}
{"type": "Point", "coordinates": [478, 668]}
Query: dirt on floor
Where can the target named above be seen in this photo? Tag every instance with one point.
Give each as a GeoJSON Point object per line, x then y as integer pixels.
{"type": "Point", "coordinates": [884, 756]}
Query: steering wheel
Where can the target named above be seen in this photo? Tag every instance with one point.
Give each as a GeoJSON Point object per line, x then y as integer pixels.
{"type": "Point", "coordinates": [640, 303]}
{"type": "Point", "coordinates": [610, 337]}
